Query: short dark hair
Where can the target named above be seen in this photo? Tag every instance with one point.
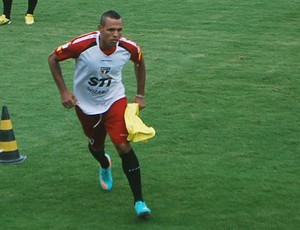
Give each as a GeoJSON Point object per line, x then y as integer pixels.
{"type": "Point", "coordinates": [109, 14]}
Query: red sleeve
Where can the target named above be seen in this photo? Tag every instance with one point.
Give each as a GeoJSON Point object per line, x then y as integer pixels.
{"type": "Point", "coordinates": [65, 51]}
{"type": "Point", "coordinates": [133, 49]}
{"type": "Point", "coordinates": [76, 46]}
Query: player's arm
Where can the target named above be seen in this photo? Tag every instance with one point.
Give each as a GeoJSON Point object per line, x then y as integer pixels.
{"type": "Point", "coordinates": [140, 74]}
{"type": "Point", "coordinates": [67, 98]}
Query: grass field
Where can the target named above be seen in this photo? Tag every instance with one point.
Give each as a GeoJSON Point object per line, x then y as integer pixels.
{"type": "Point", "coordinates": [223, 93]}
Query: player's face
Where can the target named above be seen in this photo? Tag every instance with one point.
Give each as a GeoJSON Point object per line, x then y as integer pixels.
{"type": "Point", "coordinates": [110, 32]}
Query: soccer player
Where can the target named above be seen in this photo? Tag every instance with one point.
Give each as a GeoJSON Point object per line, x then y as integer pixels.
{"type": "Point", "coordinates": [7, 4]}
{"type": "Point", "coordinates": [99, 96]}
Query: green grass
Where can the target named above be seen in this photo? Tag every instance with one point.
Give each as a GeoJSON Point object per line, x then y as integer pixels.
{"type": "Point", "coordinates": [222, 93]}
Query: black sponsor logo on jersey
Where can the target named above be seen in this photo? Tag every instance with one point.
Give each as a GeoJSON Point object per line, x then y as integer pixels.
{"type": "Point", "coordinates": [102, 82]}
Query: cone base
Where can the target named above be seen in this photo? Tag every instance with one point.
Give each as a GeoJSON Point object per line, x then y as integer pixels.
{"type": "Point", "coordinates": [14, 161]}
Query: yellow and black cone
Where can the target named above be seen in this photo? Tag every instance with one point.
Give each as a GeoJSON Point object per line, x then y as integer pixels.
{"type": "Point", "coordinates": [8, 146]}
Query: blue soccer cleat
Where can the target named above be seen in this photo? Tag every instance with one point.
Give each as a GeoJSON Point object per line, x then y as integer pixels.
{"type": "Point", "coordinates": [105, 176]}
{"type": "Point", "coordinates": [141, 209]}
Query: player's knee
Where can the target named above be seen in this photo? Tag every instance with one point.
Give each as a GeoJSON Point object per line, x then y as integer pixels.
{"type": "Point", "coordinates": [123, 148]}
{"type": "Point", "coordinates": [95, 150]}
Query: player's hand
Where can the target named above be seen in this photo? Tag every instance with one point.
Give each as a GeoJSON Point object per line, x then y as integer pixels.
{"type": "Point", "coordinates": [68, 100]}
{"type": "Point", "coordinates": [140, 101]}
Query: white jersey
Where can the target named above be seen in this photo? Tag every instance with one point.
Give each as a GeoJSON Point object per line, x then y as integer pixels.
{"type": "Point", "coordinates": [98, 76]}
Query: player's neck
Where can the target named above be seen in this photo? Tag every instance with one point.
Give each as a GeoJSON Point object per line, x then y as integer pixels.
{"type": "Point", "coordinates": [108, 50]}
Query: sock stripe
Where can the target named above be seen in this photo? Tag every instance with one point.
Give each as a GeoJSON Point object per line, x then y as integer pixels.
{"type": "Point", "coordinates": [134, 169]}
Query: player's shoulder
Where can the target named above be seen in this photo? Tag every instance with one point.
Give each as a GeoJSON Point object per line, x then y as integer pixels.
{"type": "Point", "coordinates": [129, 44]}
{"type": "Point", "coordinates": [128, 41]}
{"type": "Point", "coordinates": [77, 45]}
{"type": "Point", "coordinates": [87, 37]}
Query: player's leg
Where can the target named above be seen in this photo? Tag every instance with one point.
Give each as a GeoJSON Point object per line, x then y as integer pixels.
{"type": "Point", "coordinates": [5, 17]}
{"type": "Point", "coordinates": [31, 6]}
{"type": "Point", "coordinates": [29, 17]}
{"type": "Point", "coordinates": [7, 4]}
{"type": "Point", "coordinates": [94, 129]}
{"type": "Point", "coordinates": [131, 168]}
{"type": "Point", "coordinates": [116, 128]}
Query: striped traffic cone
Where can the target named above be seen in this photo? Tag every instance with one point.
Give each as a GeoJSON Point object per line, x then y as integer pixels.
{"type": "Point", "coordinates": [8, 146]}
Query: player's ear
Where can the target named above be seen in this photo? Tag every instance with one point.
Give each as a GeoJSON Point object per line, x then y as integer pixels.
{"type": "Point", "coordinates": [100, 27]}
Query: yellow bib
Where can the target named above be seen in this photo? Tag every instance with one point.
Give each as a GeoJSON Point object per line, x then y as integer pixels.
{"type": "Point", "coordinates": [137, 130]}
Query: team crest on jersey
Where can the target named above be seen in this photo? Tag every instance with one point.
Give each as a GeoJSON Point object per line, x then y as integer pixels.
{"type": "Point", "coordinates": [104, 70]}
